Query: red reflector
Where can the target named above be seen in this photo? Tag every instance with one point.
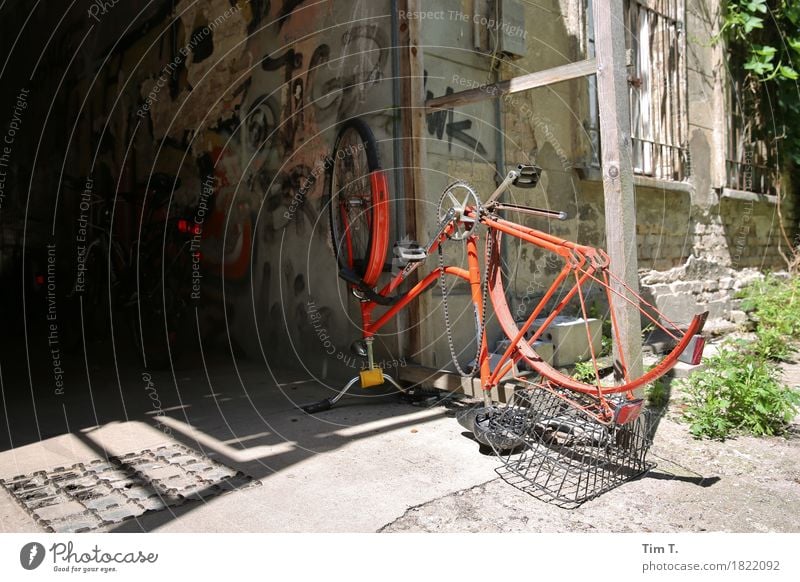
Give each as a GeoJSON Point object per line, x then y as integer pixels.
{"type": "Point", "coordinates": [39, 279]}
{"type": "Point", "coordinates": [628, 411]}
{"type": "Point", "coordinates": [183, 225]}
{"type": "Point", "coordinates": [694, 351]}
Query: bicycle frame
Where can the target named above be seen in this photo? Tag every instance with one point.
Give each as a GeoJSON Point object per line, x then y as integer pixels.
{"type": "Point", "coordinates": [586, 264]}
{"type": "Point", "coordinates": [582, 261]}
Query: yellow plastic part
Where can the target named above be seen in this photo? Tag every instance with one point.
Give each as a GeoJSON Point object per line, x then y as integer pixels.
{"type": "Point", "coordinates": [371, 378]}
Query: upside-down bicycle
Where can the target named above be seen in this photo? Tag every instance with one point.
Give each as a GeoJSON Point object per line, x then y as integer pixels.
{"type": "Point", "coordinates": [552, 416]}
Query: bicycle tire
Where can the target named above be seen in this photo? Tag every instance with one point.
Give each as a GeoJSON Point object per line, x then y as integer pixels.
{"type": "Point", "coordinates": [510, 328]}
{"type": "Point", "coordinates": [357, 198]}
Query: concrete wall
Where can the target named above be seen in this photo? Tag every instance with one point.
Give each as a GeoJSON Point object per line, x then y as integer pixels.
{"type": "Point", "coordinates": [258, 101]}
{"type": "Point", "coordinates": [696, 246]}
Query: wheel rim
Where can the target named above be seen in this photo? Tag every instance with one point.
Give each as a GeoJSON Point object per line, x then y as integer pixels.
{"type": "Point", "coordinates": [351, 200]}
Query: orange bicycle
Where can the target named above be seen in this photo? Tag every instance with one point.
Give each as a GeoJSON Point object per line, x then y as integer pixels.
{"type": "Point", "coordinates": [549, 406]}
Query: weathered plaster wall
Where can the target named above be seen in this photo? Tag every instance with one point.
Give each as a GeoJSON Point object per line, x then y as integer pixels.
{"type": "Point", "coordinates": [255, 105]}
{"type": "Point", "coordinates": [246, 97]}
{"type": "Point", "coordinates": [693, 244]}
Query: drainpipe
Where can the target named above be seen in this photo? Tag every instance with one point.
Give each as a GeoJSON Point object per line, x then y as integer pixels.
{"type": "Point", "coordinates": [397, 146]}
{"type": "Point", "coordinates": [397, 155]}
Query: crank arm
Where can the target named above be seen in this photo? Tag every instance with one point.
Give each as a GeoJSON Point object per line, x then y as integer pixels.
{"type": "Point", "coordinates": [446, 221]}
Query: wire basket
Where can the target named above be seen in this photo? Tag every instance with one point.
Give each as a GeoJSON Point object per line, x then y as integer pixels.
{"type": "Point", "coordinates": [554, 447]}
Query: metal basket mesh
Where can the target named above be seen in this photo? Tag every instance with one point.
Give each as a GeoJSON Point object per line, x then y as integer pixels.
{"type": "Point", "coordinates": [554, 448]}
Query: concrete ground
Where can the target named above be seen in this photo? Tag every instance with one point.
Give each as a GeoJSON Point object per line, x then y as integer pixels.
{"type": "Point", "coordinates": [374, 463]}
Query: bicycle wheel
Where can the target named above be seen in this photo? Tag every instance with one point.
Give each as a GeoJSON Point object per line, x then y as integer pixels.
{"type": "Point", "coordinates": [584, 280]}
{"type": "Point", "coordinates": [357, 196]}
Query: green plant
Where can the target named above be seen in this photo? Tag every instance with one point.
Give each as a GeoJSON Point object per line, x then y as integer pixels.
{"type": "Point", "coordinates": [738, 392]}
{"type": "Point", "coordinates": [657, 393]}
{"type": "Point", "coordinates": [775, 303]}
{"type": "Point", "coordinates": [584, 372]}
{"type": "Point", "coordinates": [771, 344]}
{"type": "Point", "coordinates": [763, 37]}
{"type": "Point", "coordinates": [606, 345]}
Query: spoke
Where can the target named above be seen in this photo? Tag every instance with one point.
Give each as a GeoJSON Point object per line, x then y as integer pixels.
{"type": "Point", "coordinates": [635, 304]}
{"type": "Point", "coordinates": [454, 199]}
{"type": "Point", "coordinates": [466, 199]}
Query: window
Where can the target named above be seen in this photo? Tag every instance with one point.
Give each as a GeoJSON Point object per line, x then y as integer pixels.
{"type": "Point", "coordinates": [656, 43]}
{"type": "Point", "coordinates": [751, 156]}
{"type": "Point", "coordinates": [655, 37]}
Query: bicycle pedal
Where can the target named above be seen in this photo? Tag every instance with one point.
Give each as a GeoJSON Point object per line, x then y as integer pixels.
{"type": "Point", "coordinates": [371, 378]}
{"type": "Point", "coordinates": [411, 252]}
{"type": "Point", "coordinates": [528, 176]}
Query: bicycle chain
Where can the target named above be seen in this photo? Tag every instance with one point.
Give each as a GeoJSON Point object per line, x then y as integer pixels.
{"type": "Point", "coordinates": [482, 315]}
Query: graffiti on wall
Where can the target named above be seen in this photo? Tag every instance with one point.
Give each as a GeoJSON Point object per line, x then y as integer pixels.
{"type": "Point", "coordinates": [443, 123]}
{"type": "Point", "coordinates": [238, 98]}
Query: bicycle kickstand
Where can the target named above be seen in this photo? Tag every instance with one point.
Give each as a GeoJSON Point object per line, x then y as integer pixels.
{"type": "Point", "coordinates": [369, 378]}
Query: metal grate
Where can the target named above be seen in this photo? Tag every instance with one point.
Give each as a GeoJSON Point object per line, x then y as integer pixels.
{"type": "Point", "coordinates": [566, 456]}
{"type": "Point", "coordinates": [752, 160]}
{"type": "Point", "coordinates": [103, 492]}
{"type": "Point", "coordinates": [657, 78]}
{"type": "Point", "coordinates": [659, 119]}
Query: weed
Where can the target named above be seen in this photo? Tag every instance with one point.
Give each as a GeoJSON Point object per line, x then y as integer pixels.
{"type": "Point", "coordinates": [775, 303]}
{"type": "Point", "coordinates": [584, 372]}
{"type": "Point", "coordinates": [657, 393]}
{"type": "Point", "coordinates": [738, 392]}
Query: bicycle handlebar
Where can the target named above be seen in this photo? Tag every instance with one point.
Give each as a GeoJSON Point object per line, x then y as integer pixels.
{"type": "Point", "coordinates": [523, 177]}
{"type": "Point", "coordinates": [557, 214]}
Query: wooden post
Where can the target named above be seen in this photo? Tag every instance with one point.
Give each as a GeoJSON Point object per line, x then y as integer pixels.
{"type": "Point", "coordinates": [617, 164]}
{"type": "Point", "coordinates": [414, 145]}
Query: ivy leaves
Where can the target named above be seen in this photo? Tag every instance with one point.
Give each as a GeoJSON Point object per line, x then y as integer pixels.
{"type": "Point", "coordinates": [742, 16]}
{"type": "Point", "coordinates": [763, 38]}
{"type": "Point", "coordinates": [760, 61]}
{"type": "Point", "coordinates": [766, 61]}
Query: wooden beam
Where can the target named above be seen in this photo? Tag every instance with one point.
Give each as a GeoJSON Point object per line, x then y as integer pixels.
{"type": "Point", "coordinates": [617, 164]}
{"type": "Point", "coordinates": [414, 151]}
{"type": "Point", "coordinates": [515, 85]}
